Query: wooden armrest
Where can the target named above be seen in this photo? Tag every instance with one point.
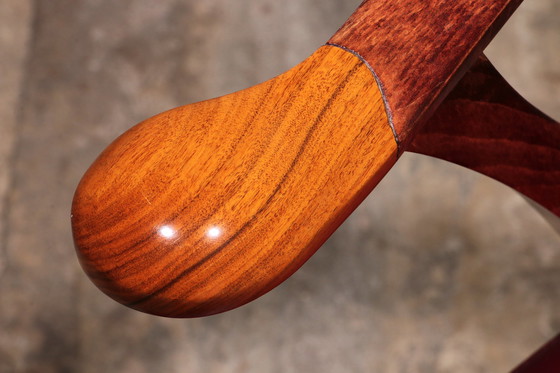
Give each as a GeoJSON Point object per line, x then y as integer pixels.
{"type": "Point", "coordinates": [205, 207]}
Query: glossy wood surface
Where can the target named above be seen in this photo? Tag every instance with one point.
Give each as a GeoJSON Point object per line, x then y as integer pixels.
{"type": "Point", "coordinates": [205, 207]}
{"type": "Point", "coordinates": [420, 49]}
{"type": "Point", "coordinates": [485, 125]}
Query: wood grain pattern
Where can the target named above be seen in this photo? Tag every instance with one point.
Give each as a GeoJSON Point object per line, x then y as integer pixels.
{"type": "Point", "coordinates": [485, 125]}
{"type": "Point", "coordinates": [208, 206]}
{"type": "Point", "coordinates": [420, 49]}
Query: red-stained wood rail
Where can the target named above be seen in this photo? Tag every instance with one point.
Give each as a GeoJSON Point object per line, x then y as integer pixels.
{"type": "Point", "coordinates": [485, 125]}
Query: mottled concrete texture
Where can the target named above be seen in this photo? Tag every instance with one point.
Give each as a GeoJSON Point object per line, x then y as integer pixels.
{"type": "Point", "coordinates": [440, 270]}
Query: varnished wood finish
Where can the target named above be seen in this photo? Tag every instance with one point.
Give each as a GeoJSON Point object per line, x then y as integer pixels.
{"type": "Point", "coordinates": [485, 125]}
{"type": "Point", "coordinates": [208, 206]}
{"type": "Point", "coordinates": [420, 49]}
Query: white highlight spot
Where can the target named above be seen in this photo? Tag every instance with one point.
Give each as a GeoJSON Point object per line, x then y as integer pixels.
{"type": "Point", "coordinates": [214, 232]}
{"type": "Point", "coordinates": [167, 232]}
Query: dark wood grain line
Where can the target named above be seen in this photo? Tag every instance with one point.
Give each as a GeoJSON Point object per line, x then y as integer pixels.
{"type": "Point", "coordinates": [135, 246]}
{"type": "Point", "coordinates": [132, 228]}
{"type": "Point", "coordinates": [138, 246]}
{"type": "Point", "coordinates": [247, 224]}
{"type": "Point", "coordinates": [327, 231]}
{"type": "Point", "coordinates": [185, 235]}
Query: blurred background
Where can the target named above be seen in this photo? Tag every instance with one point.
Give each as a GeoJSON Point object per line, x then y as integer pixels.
{"type": "Point", "coordinates": [439, 270]}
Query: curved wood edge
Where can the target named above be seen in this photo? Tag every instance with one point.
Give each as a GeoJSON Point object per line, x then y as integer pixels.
{"type": "Point", "coordinates": [545, 360]}
{"type": "Point", "coordinates": [485, 125]}
{"type": "Point", "coordinates": [419, 50]}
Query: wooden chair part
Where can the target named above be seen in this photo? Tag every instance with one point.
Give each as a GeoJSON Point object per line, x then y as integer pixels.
{"type": "Point", "coordinates": [207, 206]}
{"type": "Point", "coordinates": [420, 49]}
{"type": "Point", "coordinates": [485, 125]}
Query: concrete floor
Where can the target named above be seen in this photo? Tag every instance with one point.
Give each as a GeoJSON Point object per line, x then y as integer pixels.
{"type": "Point", "coordinates": [467, 280]}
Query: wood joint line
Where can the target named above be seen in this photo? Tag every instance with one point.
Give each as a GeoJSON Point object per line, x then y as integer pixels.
{"type": "Point", "coordinates": [381, 89]}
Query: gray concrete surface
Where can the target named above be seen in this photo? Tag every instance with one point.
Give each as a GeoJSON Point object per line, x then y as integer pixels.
{"type": "Point", "coordinates": [466, 280]}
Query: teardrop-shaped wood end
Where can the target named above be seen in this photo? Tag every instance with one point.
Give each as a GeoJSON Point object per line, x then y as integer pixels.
{"type": "Point", "coordinates": [205, 207]}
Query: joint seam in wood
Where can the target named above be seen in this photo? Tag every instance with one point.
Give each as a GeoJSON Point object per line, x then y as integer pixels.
{"type": "Point", "coordinates": [381, 89]}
